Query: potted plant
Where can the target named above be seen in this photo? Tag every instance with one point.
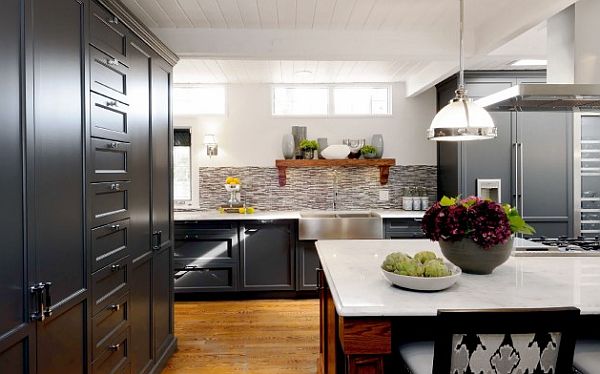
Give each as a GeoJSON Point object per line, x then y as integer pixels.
{"type": "Point", "coordinates": [474, 234]}
{"type": "Point", "coordinates": [368, 151]}
{"type": "Point", "coordinates": [308, 148]}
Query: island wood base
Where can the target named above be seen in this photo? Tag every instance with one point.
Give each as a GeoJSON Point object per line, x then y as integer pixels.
{"type": "Point", "coordinates": [351, 345]}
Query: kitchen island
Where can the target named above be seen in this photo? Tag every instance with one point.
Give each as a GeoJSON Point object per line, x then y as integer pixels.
{"type": "Point", "coordinates": [361, 313]}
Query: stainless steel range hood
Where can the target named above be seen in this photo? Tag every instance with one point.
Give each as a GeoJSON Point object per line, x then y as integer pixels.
{"type": "Point", "coordinates": [544, 97]}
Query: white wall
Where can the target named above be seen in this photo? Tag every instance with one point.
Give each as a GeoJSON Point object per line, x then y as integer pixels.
{"type": "Point", "coordinates": [250, 136]}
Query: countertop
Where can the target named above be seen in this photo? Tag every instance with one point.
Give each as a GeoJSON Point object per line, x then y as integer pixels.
{"type": "Point", "coordinates": [274, 215]}
{"type": "Point", "coordinates": [352, 269]}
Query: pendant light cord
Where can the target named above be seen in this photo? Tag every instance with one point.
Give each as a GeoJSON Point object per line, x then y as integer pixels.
{"type": "Point", "coordinates": [461, 72]}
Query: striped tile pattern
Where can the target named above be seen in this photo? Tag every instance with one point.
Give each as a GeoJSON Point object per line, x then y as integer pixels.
{"type": "Point", "coordinates": [313, 188]}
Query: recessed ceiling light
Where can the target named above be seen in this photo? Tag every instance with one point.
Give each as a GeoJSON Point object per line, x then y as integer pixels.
{"type": "Point", "coordinates": [529, 62]}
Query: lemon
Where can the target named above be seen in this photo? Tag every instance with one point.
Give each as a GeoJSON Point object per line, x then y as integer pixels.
{"type": "Point", "coordinates": [242, 210]}
{"type": "Point", "coordinates": [229, 180]}
{"type": "Point", "coordinates": [250, 210]}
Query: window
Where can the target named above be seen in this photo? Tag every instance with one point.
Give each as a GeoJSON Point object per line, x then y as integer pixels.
{"type": "Point", "coordinates": [334, 100]}
{"type": "Point", "coordinates": [304, 101]}
{"type": "Point", "coordinates": [361, 101]}
{"type": "Point", "coordinates": [199, 100]}
{"type": "Point", "coordinates": [182, 165]}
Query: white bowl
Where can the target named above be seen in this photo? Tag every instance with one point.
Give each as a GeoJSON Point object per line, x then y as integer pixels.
{"type": "Point", "coordinates": [424, 283]}
{"type": "Point", "coordinates": [336, 152]}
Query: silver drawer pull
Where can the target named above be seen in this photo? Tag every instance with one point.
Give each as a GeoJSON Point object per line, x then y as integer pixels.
{"type": "Point", "coordinates": [115, 187]}
{"type": "Point", "coordinates": [190, 267]}
{"type": "Point", "coordinates": [112, 61]}
{"type": "Point", "coordinates": [114, 347]}
{"type": "Point", "coordinates": [114, 307]}
{"type": "Point", "coordinates": [112, 103]}
{"type": "Point", "coordinates": [112, 145]}
{"type": "Point", "coordinates": [115, 267]}
{"type": "Point", "coordinates": [115, 227]}
{"type": "Point", "coordinates": [113, 20]}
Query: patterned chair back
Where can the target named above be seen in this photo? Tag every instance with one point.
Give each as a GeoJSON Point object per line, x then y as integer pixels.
{"type": "Point", "coordinates": [505, 341]}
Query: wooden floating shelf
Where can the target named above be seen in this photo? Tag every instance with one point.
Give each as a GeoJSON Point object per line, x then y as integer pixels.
{"type": "Point", "coordinates": [383, 164]}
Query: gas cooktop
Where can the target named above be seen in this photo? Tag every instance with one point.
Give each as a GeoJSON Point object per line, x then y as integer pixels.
{"type": "Point", "coordinates": [566, 244]}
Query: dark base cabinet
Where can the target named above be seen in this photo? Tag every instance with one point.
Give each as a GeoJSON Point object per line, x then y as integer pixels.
{"type": "Point", "coordinates": [86, 260]}
{"type": "Point", "coordinates": [307, 263]}
{"type": "Point", "coordinates": [230, 256]}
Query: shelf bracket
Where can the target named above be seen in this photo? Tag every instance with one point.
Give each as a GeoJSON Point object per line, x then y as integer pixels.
{"type": "Point", "coordinates": [384, 174]}
{"type": "Point", "coordinates": [282, 174]}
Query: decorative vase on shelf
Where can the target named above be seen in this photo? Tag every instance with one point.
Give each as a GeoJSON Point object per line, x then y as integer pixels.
{"type": "Point", "coordinates": [322, 145]}
{"type": "Point", "coordinates": [474, 259]}
{"type": "Point", "coordinates": [377, 142]}
{"type": "Point", "coordinates": [288, 146]}
{"type": "Point", "coordinates": [299, 133]}
{"type": "Point", "coordinates": [370, 156]}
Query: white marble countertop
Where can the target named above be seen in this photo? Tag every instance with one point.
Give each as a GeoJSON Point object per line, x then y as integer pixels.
{"type": "Point", "coordinates": [352, 268]}
{"type": "Point", "coordinates": [274, 215]}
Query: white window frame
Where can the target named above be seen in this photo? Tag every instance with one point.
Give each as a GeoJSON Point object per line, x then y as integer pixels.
{"type": "Point", "coordinates": [186, 201]}
{"type": "Point", "coordinates": [210, 85]}
{"type": "Point", "coordinates": [331, 97]}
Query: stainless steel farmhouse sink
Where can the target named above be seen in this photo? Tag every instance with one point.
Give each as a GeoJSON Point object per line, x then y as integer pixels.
{"type": "Point", "coordinates": [340, 225]}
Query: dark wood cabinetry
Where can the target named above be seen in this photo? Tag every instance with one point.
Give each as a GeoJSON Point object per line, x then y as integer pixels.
{"type": "Point", "coordinates": [307, 263]}
{"type": "Point", "coordinates": [83, 288]}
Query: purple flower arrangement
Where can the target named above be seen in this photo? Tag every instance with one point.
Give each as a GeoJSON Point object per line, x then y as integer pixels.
{"type": "Point", "coordinates": [485, 222]}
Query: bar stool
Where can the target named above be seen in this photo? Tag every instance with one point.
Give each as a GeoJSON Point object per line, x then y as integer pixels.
{"type": "Point", "coordinates": [496, 341]}
{"type": "Point", "coordinates": [587, 357]}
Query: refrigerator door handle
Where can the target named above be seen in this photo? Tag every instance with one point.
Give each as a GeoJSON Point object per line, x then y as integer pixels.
{"type": "Point", "coordinates": [516, 166]}
{"type": "Point", "coordinates": [521, 187]}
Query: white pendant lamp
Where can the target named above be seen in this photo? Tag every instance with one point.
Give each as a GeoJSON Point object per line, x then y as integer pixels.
{"type": "Point", "coordinates": [461, 119]}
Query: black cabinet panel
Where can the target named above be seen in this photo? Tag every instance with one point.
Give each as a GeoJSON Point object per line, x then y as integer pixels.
{"type": "Point", "coordinates": [109, 160]}
{"type": "Point", "coordinates": [61, 344]}
{"type": "Point", "coordinates": [57, 219]}
{"type": "Point", "coordinates": [109, 243]}
{"type": "Point", "coordinates": [161, 155]}
{"type": "Point", "coordinates": [13, 359]}
{"type": "Point", "coordinates": [108, 323]}
{"type": "Point", "coordinates": [107, 33]}
{"type": "Point", "coordinates": [139, 157]}
{"type": "Point", "coordinates": [162, 300]}
{"type": "Point", "coordinates": [267, 256]}
{"type": "Point", "coordinates": [108, 75]}
{"type": "Point", "coordinates": [115, 355]}
{"type": "Point", "coordinates": [210, 278]}
{"type": "Point", "coordinates": [109, 118]}
{"type": "Point", "coordinates": [306, 267]}
{"type": "Point", "coordinates": [141, 307]}
{"type": "Point", "coordinates": [109, 202]}
{"type": "Point", "coordinates": [109, 284]}
{"type": "Point", "coordinates": [12, 277]}
{"type": "Point", "coordinates": [206, 247]}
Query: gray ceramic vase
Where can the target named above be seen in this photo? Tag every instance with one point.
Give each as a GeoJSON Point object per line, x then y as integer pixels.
{"type": "Point", "coordinates": [472, 258]}
{"type": "Point", "coordinates": [288, 146]}
{"type": "Point", "coordinates": [377, 142]}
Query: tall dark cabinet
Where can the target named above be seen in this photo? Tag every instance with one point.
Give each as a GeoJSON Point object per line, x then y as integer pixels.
{"type": "Point", "coordinates": [85, 269]}
{"type": "Point", "coordinates": [532, 156]}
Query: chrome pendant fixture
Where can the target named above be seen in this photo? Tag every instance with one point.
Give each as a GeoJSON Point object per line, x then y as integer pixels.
{"type": "Point", "coordinates": [461, 119]}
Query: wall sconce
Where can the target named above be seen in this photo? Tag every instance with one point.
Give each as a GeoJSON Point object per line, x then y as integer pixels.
{"type": "Point", "coordinates": [212, 148]}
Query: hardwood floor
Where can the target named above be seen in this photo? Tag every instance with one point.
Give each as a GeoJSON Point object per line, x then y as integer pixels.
{"type": "Point", "coordinates": [249, 336]}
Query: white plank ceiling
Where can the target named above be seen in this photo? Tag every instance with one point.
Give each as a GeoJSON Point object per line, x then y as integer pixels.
{"type": "Point", "coordinates": [415, 41]}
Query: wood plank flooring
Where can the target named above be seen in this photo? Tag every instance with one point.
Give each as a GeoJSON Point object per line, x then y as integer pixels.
{"type": "Point", "coordinates": [249, 336]}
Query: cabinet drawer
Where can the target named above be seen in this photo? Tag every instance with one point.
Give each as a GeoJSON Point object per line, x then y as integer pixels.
{"type": "Point", "coordinates": [109, 243]}
{"type": "Point", "coordinates": [108, 323]}
{"type": "Point", "coordinates": [208, 226]}
{"type": "Point", "coordinates": [199, 245]}
{"type": "Point", "coordinates": [109, 284]}
{"type": "Point", "coordinates": [109, 118]}
{"type": "Point", "coordinates": [191, 278]}
{"type": "Point", "coordinates": [114, 355]}
{"type": "Point", "coordinates": [109, 202]}
{"type": "Point", "coordinates": [108, 75]}
{"type": "Point", "coordinates": [107, 33]}
{"type": "Point", "coordinates": [109, 160]}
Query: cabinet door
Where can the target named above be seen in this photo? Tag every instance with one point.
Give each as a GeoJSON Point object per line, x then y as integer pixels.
{"type": "Point", "coordinates": [56, 219]}
{"type": "Point", "coordinates": [142, 349]}
{"type": "Point", "coordinates": [545, 171]}
{"type": "Point", "coordinates": [161, 155]}
{"type": "Point", "coordinates": [16, 332]}
{"type": "Point", "coordinates": [162, 290]}
{"type": "Point", "coordinates": [307, 262]}
{"type": "Point", "coordinates": [267, 256]}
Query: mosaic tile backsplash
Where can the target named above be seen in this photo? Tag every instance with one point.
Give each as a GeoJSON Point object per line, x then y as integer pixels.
{"type": "Point", "coordinates": [313, 188]}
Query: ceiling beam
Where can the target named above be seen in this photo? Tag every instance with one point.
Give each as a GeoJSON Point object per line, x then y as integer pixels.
{"type": "Point", "coordinates": [325, 45]}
